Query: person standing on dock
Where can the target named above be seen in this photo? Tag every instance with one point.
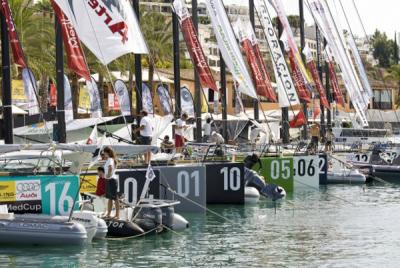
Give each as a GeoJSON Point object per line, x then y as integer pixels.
{"type": "Point", "coordinates": [111, 181]}
{"type": "Point", "coordinates": [179, 129]}
{"type": "Point", "coordinates": [329, 140]}
{"type": "Point", "coordinates": [207, 130]}
{"type": "Point", "coordinates": [315, 132]}
{"type": "Point", "coordinates": [146, 134]}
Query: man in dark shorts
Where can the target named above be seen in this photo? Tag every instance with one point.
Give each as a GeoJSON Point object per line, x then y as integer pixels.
{"type": "Point", "coordinates": [146, 133]}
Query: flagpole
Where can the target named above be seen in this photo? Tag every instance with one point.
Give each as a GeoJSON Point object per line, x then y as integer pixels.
{"type": "Point", "coordinates": [319, 67]}
{"type": "Point", "coordinates": [328, 92]}
{"type": "Point", "coordinates": [302, 45]}
{"type": "Point", "coordinates": [177, 67]}
{"type": "Point", "coordinates": [138, 71]}
{"type": "Point", "coordinates": [61, 127]}
{"type": "Point", "coordinates": [223, 97]}
{"type": "Point", "coordinates": [197, 86]}
{"type": "Point", "coordinates": [252, 21]}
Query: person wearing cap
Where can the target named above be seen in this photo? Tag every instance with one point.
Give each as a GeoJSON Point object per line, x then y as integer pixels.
{"type": "Point", "coordinates": [146, 133]}
{"type": "Point", "coordinates": [166, 145]}
{"type": "Point", "coordinates": [179, 129]}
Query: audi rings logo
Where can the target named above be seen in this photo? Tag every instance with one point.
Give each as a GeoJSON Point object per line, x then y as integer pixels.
{"type": "Point", "coordinates": [27, 187]}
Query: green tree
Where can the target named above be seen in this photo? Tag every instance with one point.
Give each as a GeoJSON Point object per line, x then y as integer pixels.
{"type": "Point", "coordinates": [383, 49]}
{"type": "Point", "coordinates": [394, 74]}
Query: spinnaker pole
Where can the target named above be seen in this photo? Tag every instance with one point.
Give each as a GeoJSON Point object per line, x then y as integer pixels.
{"type": "Point", "coordinates": [61, 126]}
{"type": "Point", "coordinates": [6, 83]}
{"type": "Point", "coordinates": [197, 87]}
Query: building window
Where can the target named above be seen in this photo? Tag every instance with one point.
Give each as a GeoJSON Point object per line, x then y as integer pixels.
{"type": "Point", "coordinates": [382, 99]}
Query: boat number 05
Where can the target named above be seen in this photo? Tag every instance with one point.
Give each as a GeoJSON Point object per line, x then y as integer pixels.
{"type": "Point", "coordinates": [231, 178]}
{"type": "Point", "coordinates": [303, 169]}
{"type": "Point", "coordinates": [184, 181]}
{"type": "Point", "coordinates": [65, 202]}
{"type": "Point", "coordinates": [280, 169]}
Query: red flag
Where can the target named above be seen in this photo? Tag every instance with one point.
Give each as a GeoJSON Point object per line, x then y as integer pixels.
{"type": "Point", "coordinates": [299, 120]}
{"type": "Point", "coordinates": [16, 48]}
{"type": "Point", "coordinates": [337, 93]}
{"type": "Point", "coordinates": [197, 54]}
{"type": "Point", "coordinates": [318, 84]}
{"type": "Point", "coordinates": [261, 85]}
{"type": "Point", "coordinates": [75, 58]}
{"type": "Point", "coordinates": [53, 95]}
{"type": "Point", "coordinates": [298, 80]}
{"type": "Point", "coordinates": [263, 68]}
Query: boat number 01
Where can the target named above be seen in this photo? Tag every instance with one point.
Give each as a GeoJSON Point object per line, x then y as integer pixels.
{"type": "Point", "coordinates": [280, 169]}
{"type": "Point", "coordinates": [183, 183]}
{"type": "Point", "coordinates": [231, 178]}
{"type": "Point", "coordinates": [303, 170]}
{"type": "Point", "coordinates": [65, 203]}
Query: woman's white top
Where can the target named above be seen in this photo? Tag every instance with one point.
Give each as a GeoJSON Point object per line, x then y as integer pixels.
{"type": "Point", "coordinates": [110, 162]}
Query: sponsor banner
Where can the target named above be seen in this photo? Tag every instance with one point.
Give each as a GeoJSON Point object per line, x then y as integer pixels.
{"type": "Point", "coordinates": [337, 92]}
{"type": "Point", "coordinates": [109, 28]}
{"type": "Point", "coordinates": [48, 194]}
{"type": "Point", "coordinates": [16, 48]}
{"type": "Point", "coordinates": [30, 89]}
{"type": "Point", "coordinates": [123, 97]}
{"type": "Point", "coordinates": [68, 109]}
{"type": "Point", "coordinates": [75, 57]}
{"type": "Point", "coordinates": [113, 104]}
{"type": "Point", "coordinates": [286, 91]}
{"type": "Point", "coordinates": [299, 120]}
{"type": "Point", "coordinates": [298, 79]}
{"type": "Point", "coordinates": [88, 183]}
{"type": "Point", "coordinates": [187, 104]}
{"type": "Point", "coordinates": [147, 99]}
{"type": "Point", "coordinates": [95, 105]}
{"type": "Point", "coordinates": [229, 47]}
{"type": "Point", "coordinates": [165, 99]}
{"type": "Point", "coordinates": [193, 44]}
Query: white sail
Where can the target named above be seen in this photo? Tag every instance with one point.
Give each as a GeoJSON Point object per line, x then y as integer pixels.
{"type": "Point", "coordinates": [286, 91]}
{"type": "Point", "coordinates": [109, 28]}
{"type": "Point", "coordinates": [68, 108]}
{"type": "Point", "coordinates": [229, 47]}
{"type": "Point", "coordinates": [30, 90]}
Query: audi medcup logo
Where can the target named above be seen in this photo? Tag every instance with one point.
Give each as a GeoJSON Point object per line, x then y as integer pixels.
{"type": "Point", "coordinates": [28, 190]}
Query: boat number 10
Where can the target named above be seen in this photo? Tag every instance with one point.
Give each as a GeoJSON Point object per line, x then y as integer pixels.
{"type": "Point", "coordinates": [231, 178]}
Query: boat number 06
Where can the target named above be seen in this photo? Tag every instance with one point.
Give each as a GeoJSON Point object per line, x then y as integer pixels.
{"type": "Point", "coordinates": [65, 202]}
{"type": "Point", "coordinates": [184, 181]}
{"type": "Point", "coordinates": [231, 178]}
{"type": "Point", "coordinates": [280, 169]}
{"type": "Point", "coordinates": [303, 169]}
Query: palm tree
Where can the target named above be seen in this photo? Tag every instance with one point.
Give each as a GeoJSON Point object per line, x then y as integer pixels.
{"type": "Point", "coordinates": [394, 74]}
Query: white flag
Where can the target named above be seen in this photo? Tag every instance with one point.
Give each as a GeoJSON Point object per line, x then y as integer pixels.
{"type": "Point", "coordinates": [286, 91]}
{"type": "Point", "coordinates": [30, 90]}
{"type": "Point", "coordinates": [229, 47]}
{"type": "Point", "coordinates": [109, 28]}
{"type": "Point", "coordinates": [95, 105]}
{"type": "Point", "coordinates": [150, 175]}
{"type": "Point", "coordinates": [68, 109]}
{"type": "Point", "coordinates": [92, 140]}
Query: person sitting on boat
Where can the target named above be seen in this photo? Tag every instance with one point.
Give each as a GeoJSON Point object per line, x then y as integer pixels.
{"type": "Point", "coordinates": [166, 145]}
{"type": "Point", "coordinates": [218, 140]}
{"type": "Point", "coordinates": [315, 132]}
{"type": "Point", "coordinates": [146, 134]}
{"type": "Point", "coordinates": [329, 140]}
{"type": "Point", "coordinates": [207, 130]}
{"type": "Point", "coordinates": [101, 182]}
{"type": "Point", "coordinates": [179, 129]}
{"type": "Point", "coordinates": [111, 181]}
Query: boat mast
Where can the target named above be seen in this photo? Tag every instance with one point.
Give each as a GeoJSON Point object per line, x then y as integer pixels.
{"type": "Point", "coordinates": [61, 128]}
{"type": "Point", "coordinates": [252, 22]}
{"type": "Point", "coordinates": [6, 83]}
{"type": "Point", "coordinates": [197, 86]}
{"type": "Point", "coordinates": [304, 133]}
{"type": "Point", "coordinates": [319, 67]}
{"type": "Point", "coordinates": [222, 89]}
{"type": "Point", "coordinates": [285, 110]}
{"type": "Point", "coordinates": [328, 92]}
{"type": "Point", "coordinates": [177, 67]}
{"type": "Point", "coordinates": [138, 71]}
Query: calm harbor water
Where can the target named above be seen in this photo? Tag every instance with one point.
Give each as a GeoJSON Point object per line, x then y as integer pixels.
{"type": "Point", "coordinates": [337, 226]}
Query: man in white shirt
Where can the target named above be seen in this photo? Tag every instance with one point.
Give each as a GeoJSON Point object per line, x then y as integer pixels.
{"type": "Point", "coordinates": [207, 130]}
{"type": "Point", "coordinates": [179, 129]}
{"type": "Point", "coordinates": [146, 133]}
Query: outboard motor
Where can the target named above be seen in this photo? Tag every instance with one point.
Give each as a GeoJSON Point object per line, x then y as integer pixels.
{"type": "Point", "coordinates": [251, 160]}
{"type": "Point", "coordinates": [272, 191]}
{"type": "Point", "coordinates": [168, 216]}
{"type": "Point", "coordinates": [149, 218]}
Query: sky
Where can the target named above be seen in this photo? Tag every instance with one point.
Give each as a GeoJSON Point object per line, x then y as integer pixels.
{"type": "Point", "coordinates": [375, 14]}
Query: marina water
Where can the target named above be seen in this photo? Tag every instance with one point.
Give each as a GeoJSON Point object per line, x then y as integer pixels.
{"type": "Point", "coordinates": [335, 226]}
